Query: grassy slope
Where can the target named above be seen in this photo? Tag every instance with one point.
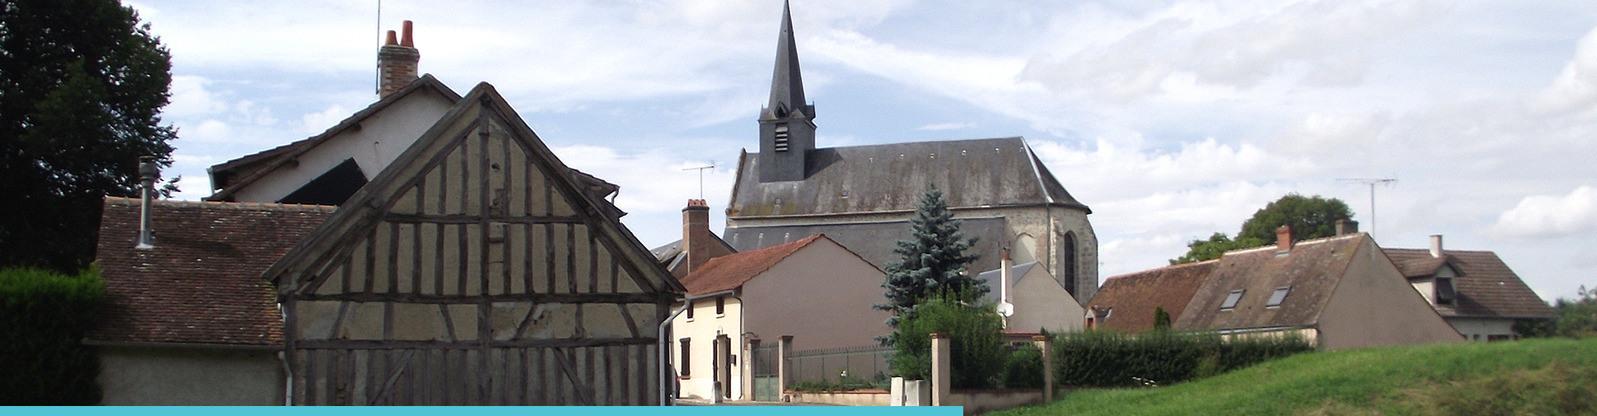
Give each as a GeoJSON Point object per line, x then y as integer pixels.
{"type": "Point", "coordinates": [1546, 376]}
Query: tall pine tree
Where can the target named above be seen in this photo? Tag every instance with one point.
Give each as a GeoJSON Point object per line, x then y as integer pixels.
{"type": "Point", "coordinates": [82, 84]}
{"type": "Point", "coordinates": [933, 260]}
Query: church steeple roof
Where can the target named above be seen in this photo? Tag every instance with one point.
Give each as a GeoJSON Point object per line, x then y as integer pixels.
{"type": "Point", "coordinates": [787, 85]}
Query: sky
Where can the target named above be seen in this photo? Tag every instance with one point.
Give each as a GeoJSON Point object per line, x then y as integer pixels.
{"type": "Point", "coordinates": [1172, 120]}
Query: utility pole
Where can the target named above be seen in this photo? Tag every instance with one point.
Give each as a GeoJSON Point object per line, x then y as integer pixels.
{"type": "Point", "coordinates": [701, 170]}
{"type": "Point", "coordinates": [1371, 182]}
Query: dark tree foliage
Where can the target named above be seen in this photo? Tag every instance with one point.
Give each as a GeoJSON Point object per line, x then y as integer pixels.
{"type": "Point", "coordinates": [1578, 317]}
{"type": "Point", "coordinates": [933, 260]}
{"type": "Point", "coordinates": [1310, 218]}
{"type": "Point", "coordinates": [1161, 319]}
{"type": "Point", "coordinates": [976, 341]}
{"type": "Point", "coordinates": [45, 315]}
{"type": "Point", "coordinates": [81, 87]}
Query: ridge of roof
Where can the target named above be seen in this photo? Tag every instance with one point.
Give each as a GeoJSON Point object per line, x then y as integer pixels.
{"type": "Point", "coordinates": [733, 270]}
{"type": "Point", "coordinates": [217, 205]}
{"type": "Point", "coordinates": [281, 155]}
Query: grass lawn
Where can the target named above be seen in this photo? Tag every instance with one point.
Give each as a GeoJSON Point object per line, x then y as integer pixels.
{"type": "Point", "coordinates": [1540, 377]}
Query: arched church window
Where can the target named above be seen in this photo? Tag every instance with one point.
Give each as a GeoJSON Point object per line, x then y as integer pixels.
{"type": "Point", "coordinates": [1067, 268]}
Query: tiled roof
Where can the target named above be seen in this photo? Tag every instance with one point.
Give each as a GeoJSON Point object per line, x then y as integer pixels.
{"type": "Point", "coordinates": [891, 177]}
{"type": "Point", "coordinates": [1312, 270]}
{"type": "Point", "coordinates": [1130, 300]}
{"type": "Point", "coordinates": [732, 270]}
{"type": "Point", "coordinates": [1486, 287]}
{"type": "Point", "coordinates": [201, 284]}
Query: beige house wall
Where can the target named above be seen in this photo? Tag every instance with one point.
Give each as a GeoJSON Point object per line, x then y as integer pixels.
{"type": "Point", "coordinates": [163, 376]}
{"type": "Point", "coordinates": [380, 138]}
{"type": "Point", "coordinates": [1041, 303]}
{"type": "Point", "coordinates": [1374, 305]}
{"type": "Point", "coordinates": [705, 326]}
{"type": "Point", "coordinates": [1483, 329]}
{"type": "Point", "coordinates": [822, 295]}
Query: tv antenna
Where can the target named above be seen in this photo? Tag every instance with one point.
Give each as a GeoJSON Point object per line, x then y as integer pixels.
{"type": "Point", "coordinates": [1371, 182]}
{"type": "Point", "coordinates": [701, 170]}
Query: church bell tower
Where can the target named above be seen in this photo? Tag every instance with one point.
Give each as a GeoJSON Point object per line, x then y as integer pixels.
{"type": "Point", "coordinates": [787, 123]}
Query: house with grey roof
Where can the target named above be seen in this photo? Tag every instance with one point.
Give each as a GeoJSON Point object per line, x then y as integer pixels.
{"type": "Point", "coordinates": [863, 196]}
{"type": "Point", "coordinates": [1036, 301]}
{"type": "Point", "coordinates": [1474, 290]}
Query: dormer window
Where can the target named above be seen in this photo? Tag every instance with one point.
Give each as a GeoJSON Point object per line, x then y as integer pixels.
{"type": "Point", "coordinates": [1231, 300]}
{"type": "Point", "coordinates": [1444, 291]}
{"type": "Point", "coordinates": [781, 137]}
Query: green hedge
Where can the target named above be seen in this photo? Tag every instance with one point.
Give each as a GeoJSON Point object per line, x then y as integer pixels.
{"type": "Point", "coordinates": [1105, 359]}
{"type": "Point", "coordinates": [45, 315]}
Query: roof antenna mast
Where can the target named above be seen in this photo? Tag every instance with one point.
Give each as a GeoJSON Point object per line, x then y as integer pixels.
{"type": "Point", "coordinates": [701, 170]}
{"type": "Point", "coordinates": [377, 70]}
{"type": "Point", "coordinates": [1371, 182]}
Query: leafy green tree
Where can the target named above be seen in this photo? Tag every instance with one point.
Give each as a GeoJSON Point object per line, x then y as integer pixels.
{"type": "Point", "coordinates": [1310, 218]}
{"type": "Point", "coordinates": [82, 83]}
{"type": "Point", "coordinates": [976, 350]}
{"type": "Point", "coordinates": [1217, 244]}
{"type": "Point", "coordinates": [933, 260]}
{"type": "Point", "coordinates": [1578, 318]}
{"type": "Point", "coordinates": [1161, 319]}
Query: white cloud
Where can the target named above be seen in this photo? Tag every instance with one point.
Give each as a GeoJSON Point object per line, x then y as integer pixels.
{"type": "Point", "coordinates": [315, 123]}
{"type": "Point", "coordinates": [1571, 214]}
{"type": "Point", "coordinates": [1576, 87]}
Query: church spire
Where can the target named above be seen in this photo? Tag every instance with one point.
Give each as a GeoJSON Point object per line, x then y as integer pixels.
{"type": "Point", "coordinates": [787, 85]}
{"type": "Point", "coordinates": [787, 123]}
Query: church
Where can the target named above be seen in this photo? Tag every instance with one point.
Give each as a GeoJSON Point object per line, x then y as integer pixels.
{"type": "Point", "coordinates": [863, 196]}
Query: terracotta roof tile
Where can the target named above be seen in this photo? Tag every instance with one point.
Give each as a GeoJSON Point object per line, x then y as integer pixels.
{"type": "Point", "coordinates": [202, 281]}
{"type": "Point", "coordinates": [1130, 300]}
{"type": "Point", "coordinates": [1487, 287]}
{"type": "Point", "coordinates": [732, 270]}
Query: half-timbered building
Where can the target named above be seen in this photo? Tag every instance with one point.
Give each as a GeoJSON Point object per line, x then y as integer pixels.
{"type": "Point", "coordinates": [475, 269]}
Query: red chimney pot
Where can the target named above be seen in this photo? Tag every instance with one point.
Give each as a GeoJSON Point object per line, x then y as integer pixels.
{"type": "Point", "coordinates": [406, 40]}
{"type": "Point", "coordinates": [393, 38]}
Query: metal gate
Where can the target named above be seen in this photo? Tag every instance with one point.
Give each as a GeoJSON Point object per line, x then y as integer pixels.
{"type": "Point", "coordinates": [767, 381]}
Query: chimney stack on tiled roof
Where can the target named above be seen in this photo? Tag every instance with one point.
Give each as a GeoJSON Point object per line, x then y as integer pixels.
{"type": "Point", "coordinates": [148, 171]}
{"type": "Point", "coordinates": [1436, 245]}
{"type": "Point", "coordinates": [1283, 239]}
{"type": "Point", "coordinates": [696, 237]}
{"type": "Point", "coordinates": [396, 62]}
{"type": "Point", "coordinates": [1345, 227]}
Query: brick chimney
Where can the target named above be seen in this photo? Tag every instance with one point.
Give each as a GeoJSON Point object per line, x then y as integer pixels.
{"type": "Point", "coordinates": [1345, 227]}
{"type": "Point", "coordinates": [697, 242]}
{"type": "Point", "coordinates": [396, 62]}
{"type": "Point", "coordinates": [1283, 239]}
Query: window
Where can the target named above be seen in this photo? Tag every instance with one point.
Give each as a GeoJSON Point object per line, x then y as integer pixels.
{"type": "Point", "coordinates": [1231, 299]}
{"type": "Point", "coordinates": [1068, 268]}
{"type": "Point", "coordinates": [1278, 296]}
{"type": "Point", "coordinates": [781, 137]}
{"type": "Point", "coordinates": [690, 310]}
{"type": "Point", "coordinates": [1444, 291]}
{"type": "Point", "coordinates": [687, 366]}
{"type": "Point", "coordinates": [720, 305]}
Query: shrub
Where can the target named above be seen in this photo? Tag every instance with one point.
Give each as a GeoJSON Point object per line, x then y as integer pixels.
{"type": "Point", "coordinates": [977, 354]}
{"type": "Point", "coordinates": [45, 315]}
{"type": "Point", "coordinates": [1024, 369]}
{"type": "Point", "coordinates": [1105, 359]}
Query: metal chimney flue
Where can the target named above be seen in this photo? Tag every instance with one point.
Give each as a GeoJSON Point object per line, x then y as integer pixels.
{"type": "Point", "coordinates": [148, 171]}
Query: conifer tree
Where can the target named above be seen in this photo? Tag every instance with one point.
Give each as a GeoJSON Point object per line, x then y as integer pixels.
{"type": "Point", "coordinates": [933, 260]}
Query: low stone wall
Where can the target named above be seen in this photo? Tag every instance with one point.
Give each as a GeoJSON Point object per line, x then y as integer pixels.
{"type": "Point", "coordinates": [841, 398]}
{"type": "Point", "coordinates": [983, 401]}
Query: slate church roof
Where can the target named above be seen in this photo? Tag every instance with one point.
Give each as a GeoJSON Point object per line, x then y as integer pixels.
{"type": "Point", "coordinates": [201, 284]}
{"type": "Point", "coordinates": [892, 177]}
